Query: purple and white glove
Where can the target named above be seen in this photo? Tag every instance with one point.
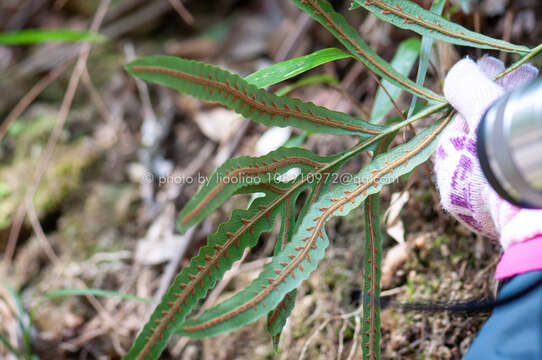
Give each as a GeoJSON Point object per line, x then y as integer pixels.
{"type": "Point", "coordinates": [465, 193]}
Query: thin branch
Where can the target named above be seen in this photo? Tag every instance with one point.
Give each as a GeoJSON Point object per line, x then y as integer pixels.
{"type": "Point", "coordinates": [357, 330]}
{"type": "Point", "coordinates": [182, 11]}
{"type": "Point", "coordinates": [395, 106]}
{"type": "Point", "coordinates": [341, 340]}
{"type": "Point", "coordinates": [47, 154]}
{"type": "Point", "coordinates": [95, 97]}
{"type": "Point", "coordinates": [40, 234]}
{"type": "Point", "coordinates": [312, 337]}
{"type": "Point", "coordinates": [30, 96]}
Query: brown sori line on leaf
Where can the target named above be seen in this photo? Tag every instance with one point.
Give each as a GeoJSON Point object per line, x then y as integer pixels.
{"type": "Point", "coordinates": [189, 288]}
{"type": "Point", "coordinates": [276, 311]}
{"type": "Point", "coordinates": [342, 34]}
{"type": "Point", "coordinates": [409, 18]}
{"type": "Point", "coordinates": [273, 188]}
{"type": "Point", "coordinates": [239, 172]}
{"type": "Point", "coordinates": [286, 222]}
{"type": "Point", "coordinates": [250, 100]}
{"type": "Point", "coordinates": [316, 231]}
{"type": "Point", "coordinates": [318, 188]}
{"type": "Point", "coordinates": [372, 313]}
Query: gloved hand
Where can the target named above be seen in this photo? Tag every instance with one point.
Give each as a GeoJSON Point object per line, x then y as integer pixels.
{"type": "Point", "coordinates": [465, 193]}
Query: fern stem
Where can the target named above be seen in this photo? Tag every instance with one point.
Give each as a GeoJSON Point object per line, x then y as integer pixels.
{"type": "Point", "coordinates": [533, 53]}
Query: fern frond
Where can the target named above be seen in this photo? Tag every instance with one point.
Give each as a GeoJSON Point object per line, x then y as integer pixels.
{"type": "Point", "coordinates": [335, 23]}
{"type": "Point", "coordinates": [408, 15]}
{"type": "Point", "coordinates": [210, 83]}
{"type": "Point", "coordinates": [301, 256]}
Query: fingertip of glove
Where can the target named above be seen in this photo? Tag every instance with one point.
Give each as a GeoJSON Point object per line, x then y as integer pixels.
{"type": "Point", "coordinates": [522, 75]}
{"type": "Point", "coordinates": [458, 76]}
{"type": "Point", "coordinates": [491, 66]}
{"type": "Point", "coordinates": [469, 90]}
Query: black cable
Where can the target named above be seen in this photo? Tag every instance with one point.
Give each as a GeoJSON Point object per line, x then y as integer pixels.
{"type": "Point", "coordinates": [461, 306]}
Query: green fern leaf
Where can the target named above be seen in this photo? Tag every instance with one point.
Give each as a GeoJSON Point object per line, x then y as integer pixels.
{"type": "Point", "coordinates": [223, 248]}
{"type": "Point", "coordinates": [371, 280]}
{"type": "Point", "coordinates": [276, 319]}
{"type": "Point", "coordinates": [372, 262]}
{"type": "Point", "coordinates": [214, 84]}
{"type": "Point", "coordinates": [244, 171]}
{"type": "Point", "coordinates": [288, 69]}
{"type": "Point", "coordinates": [425, 53]}
{"type": "Point", "coordinates": [335, 23]}
{"type": "Point", "coordinates": [408, 15]}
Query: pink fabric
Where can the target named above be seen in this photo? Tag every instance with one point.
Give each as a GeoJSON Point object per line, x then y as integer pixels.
{"type": "Point", "coordinates": [520, 258]}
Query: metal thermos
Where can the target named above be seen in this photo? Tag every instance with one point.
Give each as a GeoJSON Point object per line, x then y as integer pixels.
{"type": "Point", "coordinates": [510, 146]}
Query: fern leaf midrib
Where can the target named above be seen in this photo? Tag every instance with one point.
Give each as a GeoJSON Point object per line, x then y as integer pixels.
{"type": "Point", "coordinates": [286, 221]}
{"type": "Point", "coordinates": [317, 231]}
{"type": "Point", "coordinates": [317, 190]}
{"type": "Point", "coordinates": [318, 10]}
{"type": "Point", "coordinates": [251, 101]}
{"type": "Point", "coordinates": [238, 172]}
{"type": "Point", "coordinates": [374, 265]}
{"type": "Point", "coordinates": [409, 18]}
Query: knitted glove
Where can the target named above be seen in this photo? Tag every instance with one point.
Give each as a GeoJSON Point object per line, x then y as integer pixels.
{"type": "Point", "coordinates": [465, 193]}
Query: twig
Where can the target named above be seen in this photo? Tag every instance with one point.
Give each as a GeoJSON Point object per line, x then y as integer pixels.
{"type": "Point", "coordinates": [357, 330]}
{"type": "Point", "coordinates": [40, 234]}
{"type": "Point", "coordinates": [477, 25]}
{"type": "Point", "coordinates": [507, 32]}
{"type": "Point", "coordinates": [30, 97]}
{"type": "Point", "coordinates": [341, 340]}
{"type": "Point", "coordinates": [149, 137]}
{"type": "Point", "coordinates": [111, 324]}
{"type": "Point", "coordinates": [24, 13]}
{"type": "Point", "coordinates": [395, 106]}
{"type": "Point", "coordinates": [171, 268]}
{"type": "Point", "coordinates": [95, 97]}
{"type": "Point", "coordinates": [44, 58]}
{"type": "Point", "coordinates": [47, 155]}
{"type": "Point", "coordinates": [224, 153]}
{"type": "Point", "coordinates": [133, 21]}
{"type": "Point", "coordinates": [311, 338]}
{"type": "Point", "coordinates": [182, 11]}
{"type": "Point", "coordinates": [74, 344]}
{"type": "Point", "coordinates": [302, 24]}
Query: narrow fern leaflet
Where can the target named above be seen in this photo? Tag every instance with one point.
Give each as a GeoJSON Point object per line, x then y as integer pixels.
{"type": "Point", "coordinates": [371, 280]}
{"type": "Point", "coordinates": [335, 23]}
{"type": "Point", "coordinates": [246, 171]}
{"type": "Point", "coordinates": [213, 84]}
{"type": "Point", "coordinates": [409, 15]}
